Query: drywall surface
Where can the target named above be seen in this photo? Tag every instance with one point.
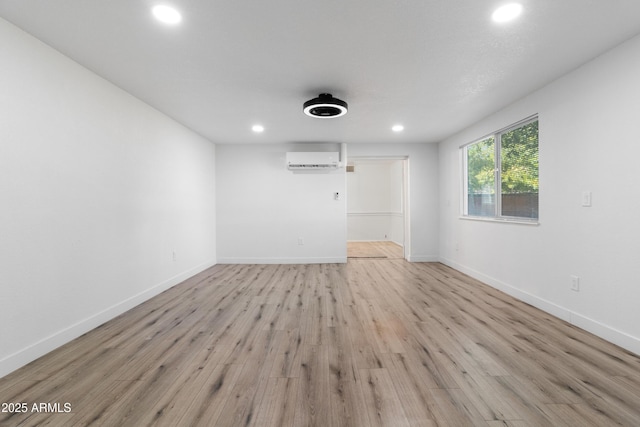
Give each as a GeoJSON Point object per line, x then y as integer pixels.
{"type": "Point", "coordinates": [375, 201]}
{"type": "Point", "coordinates": [588, 143]}
{"type": "Point", "coordinates": [268, 214]}
{"type": "Point", "coordinates": [422, 242]}
{"type": "Point", "coordinates": [105, 201]}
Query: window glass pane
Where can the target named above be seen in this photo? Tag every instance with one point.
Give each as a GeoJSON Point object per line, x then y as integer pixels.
{"type": "Point", "coordinates": [481, 178]}
{"type": "Point", "coordinates": [519, 171]}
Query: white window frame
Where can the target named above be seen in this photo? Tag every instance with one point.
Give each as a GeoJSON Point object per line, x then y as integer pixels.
{"type": "Point", "coordinates": [497, 142]}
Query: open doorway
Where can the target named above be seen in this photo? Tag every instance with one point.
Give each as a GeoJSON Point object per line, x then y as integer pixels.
{"type": "Point", "coordinates": [377, 207]}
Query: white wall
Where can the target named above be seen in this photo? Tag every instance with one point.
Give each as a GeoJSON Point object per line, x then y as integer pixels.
{"type": "Point", "coordinates": [588, 142]}
{"type": "Point", "coordinates": [374, 201]}
{"type": "Point", "coordinates": [264, 209]}
{"type": "Point", "coordinates": [423, 193]}
{"type": "Point", "coordinates": [98, 191]}
{"type": "Point", "coordinates": [396, 232]}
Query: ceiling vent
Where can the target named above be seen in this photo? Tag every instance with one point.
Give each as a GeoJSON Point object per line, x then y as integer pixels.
{"type": "Point", "coordinates": [325, 106]}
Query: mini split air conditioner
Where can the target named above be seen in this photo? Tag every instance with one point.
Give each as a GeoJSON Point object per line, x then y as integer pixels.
{"type": "Point", "coordinates": [297, 161]}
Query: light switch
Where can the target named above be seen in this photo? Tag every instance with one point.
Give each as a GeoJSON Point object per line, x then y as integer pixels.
{"type": "Point", "coordinates": [586, 198]}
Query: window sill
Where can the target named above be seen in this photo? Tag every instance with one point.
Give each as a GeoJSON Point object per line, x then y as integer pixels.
{"type": "Point", "coordinates": [533, 222]}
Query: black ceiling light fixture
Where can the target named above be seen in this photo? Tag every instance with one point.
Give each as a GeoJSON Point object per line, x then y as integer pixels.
{"type": "Point", "coordinates": [325, 106]}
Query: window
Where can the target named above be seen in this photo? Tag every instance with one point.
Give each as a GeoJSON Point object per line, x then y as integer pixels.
{"type": "Point", "coordinates": [501, 174]}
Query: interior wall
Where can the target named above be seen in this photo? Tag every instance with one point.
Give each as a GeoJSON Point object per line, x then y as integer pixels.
{"type": "Point", "coordinates": [588, 142]}
{"type": "Point", "coordinates": [396, 231]}
{"type": "Point", "coordinates": [423, 189]}
{"type": "Point", "coordinates": [268, 214]}
{"type": "Point", "coordinates": [374, 202]}
{"type": "Point", "coordinates": [105, 201]}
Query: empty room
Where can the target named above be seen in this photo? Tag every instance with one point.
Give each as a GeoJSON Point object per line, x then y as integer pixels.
{"type": "Point", "coordinates": [336, 213]}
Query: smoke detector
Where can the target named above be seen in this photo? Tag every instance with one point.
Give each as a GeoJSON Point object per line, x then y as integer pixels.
{"type": "Point", "coordinates": [325, 106]}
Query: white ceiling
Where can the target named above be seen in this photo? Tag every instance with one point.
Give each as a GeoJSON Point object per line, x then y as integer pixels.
{"type": "Point", "coordinates": [435, 66]}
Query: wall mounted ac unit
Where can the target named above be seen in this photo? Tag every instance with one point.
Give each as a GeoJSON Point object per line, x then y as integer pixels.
{"type": "Point", "coordinates": [313, 160]}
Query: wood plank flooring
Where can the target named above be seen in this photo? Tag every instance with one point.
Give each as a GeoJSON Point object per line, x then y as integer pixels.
{"type": "Point", "coordinates": [382, 249]}
{"type": "Point", "coordinates": [374, 342]}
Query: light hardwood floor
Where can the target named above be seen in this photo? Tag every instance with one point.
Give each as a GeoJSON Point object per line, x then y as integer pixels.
{"type": "Point", "coordinates": [372, 342]}
{"type": "Point", "coordinates": [382, 249]}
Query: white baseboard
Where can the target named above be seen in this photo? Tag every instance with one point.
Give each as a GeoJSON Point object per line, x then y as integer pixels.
{"type": "Point", "coordinates": [44, 346]}
{"type": "Point", "coordinates": [601, 330]}
{"type": "Point", "coordinates": [622, 339]}
{"type": "Point", "coordinates": [319, 260]}
{"type": "Point", "coordinates": [423, 258]}
{"type": "Point", "coordinates": [376, 241]}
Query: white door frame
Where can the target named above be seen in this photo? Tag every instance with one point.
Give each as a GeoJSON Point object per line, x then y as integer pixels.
{"type": "Point", "coordinates": [406, 203]}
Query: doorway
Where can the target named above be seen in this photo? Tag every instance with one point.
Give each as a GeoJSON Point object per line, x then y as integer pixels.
{"type": "Point", "coordinates": [378, 207]}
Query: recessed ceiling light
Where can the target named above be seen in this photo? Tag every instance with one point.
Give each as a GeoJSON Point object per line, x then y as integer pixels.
{"type": "Point", "coordinates": [507, 12]}
{"type": "Point", "coordinates": [397, 128]}
{"type": "Point", "coordinates": [166, 14]}
{"type": "Point", "coordinates": [257, 128]}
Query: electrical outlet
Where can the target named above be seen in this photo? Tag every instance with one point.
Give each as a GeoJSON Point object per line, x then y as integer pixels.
{"type": "Point", "coordinates": [575, 283]}
{"type": "Point", "coordinates": [174, 257]}
{"type": "Point", "coordinates": [300, 241]}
